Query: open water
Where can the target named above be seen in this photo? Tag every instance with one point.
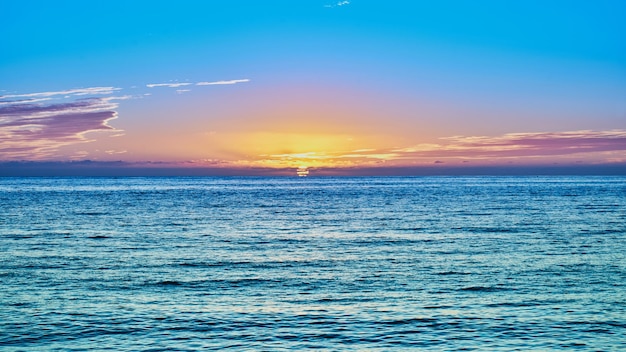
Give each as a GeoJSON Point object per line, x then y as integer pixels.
{"type": "Point", "coordinates": [265, 264]}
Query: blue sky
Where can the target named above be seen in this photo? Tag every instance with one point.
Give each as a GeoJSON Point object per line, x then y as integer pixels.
{"type": "Point", "coordinates": [315, 81]}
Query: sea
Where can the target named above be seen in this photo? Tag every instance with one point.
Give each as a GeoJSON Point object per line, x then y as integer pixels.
{"type": "Point", "coordinates": [313, 263]}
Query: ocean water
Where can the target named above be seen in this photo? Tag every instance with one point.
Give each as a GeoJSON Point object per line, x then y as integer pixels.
{"type": "Point", "coordinates": [270, 264]}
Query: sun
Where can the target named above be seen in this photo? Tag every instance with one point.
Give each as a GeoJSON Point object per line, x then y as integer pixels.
{"type": "Point", "coordinates": [303, 171]}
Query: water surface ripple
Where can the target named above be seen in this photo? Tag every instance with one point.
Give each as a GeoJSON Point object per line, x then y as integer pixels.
{"type": "Point", "coordinates": [429, 263]}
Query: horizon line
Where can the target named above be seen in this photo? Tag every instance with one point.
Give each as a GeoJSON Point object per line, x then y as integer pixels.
{"type": "Point", "coordinates": [125, 169]}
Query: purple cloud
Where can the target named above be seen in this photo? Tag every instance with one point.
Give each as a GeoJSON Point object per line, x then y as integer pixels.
{"type": "Point", "coordinates": [35, 130]}
{"type": "Point", "coordinates": [520, 145]}
{"type": "Point", "coordinates": [60, 126]}
{"type": "Point", "coordinates": [29, 109]}
{"type": "Point", "coordinates": [539, 144]}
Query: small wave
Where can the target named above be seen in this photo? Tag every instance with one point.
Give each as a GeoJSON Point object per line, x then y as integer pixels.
{"type": "Point", "coordinates": [437, 307]}
{"type": "Point", "coordinates": [413, 229]}
{"type": "Point", "coordinates": [18, 237]}
{"type": "Point", "coordinates": [608, 231]}
{"type": "Point", "coordinates": [513, 304]}
{"type": "Point", "coordinates": [43, 266]}
{"type": "Point", "coordinates": [453, 273]}
{"type": "Point", "coordinates": [573, 344]}
{"type": "Point", "coordinates": [483, 289]}
{"type": "Point", "coordinates": [216, 264]}
{"type": "Point", "coordinates": [243, 282]}
{"type": "Point", "coordinates": [598, 331]}
{"type": "Point", "coordinates": [490, 230]}
{"type": "Point", "coordinates": [168, 283]}
{"type": "Point", "coordinates": [90, 213]}
{"type": "Point", "coordinates": [98, 237]}
{"type": "Point", "coordinates": [409, 321]}
{"type": "Point", "coordinates": [471, 213]}
{"type": "Point", "coordinates": [340, 300]}
{"type": "Point", "coordinates": [616, 324]}
{"type": "Point", "coordinates": [193, 265]}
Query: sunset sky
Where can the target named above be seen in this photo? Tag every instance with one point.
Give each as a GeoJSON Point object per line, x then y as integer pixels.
{"type": "Point", "coordinates": [316, 83]}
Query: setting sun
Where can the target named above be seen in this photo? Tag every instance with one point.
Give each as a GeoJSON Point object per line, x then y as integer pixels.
{"type": "Point", "coordinates": [302, 171]}
{"type": "Point", "coordinates": [296, 149]}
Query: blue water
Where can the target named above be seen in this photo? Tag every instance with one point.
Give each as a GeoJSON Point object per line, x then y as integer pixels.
{"type": "Point", "coordinates": [441, 263]}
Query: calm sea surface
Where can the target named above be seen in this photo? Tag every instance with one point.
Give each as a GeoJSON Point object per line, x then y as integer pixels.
{"type": "Point", "coordinates": [441, 263]}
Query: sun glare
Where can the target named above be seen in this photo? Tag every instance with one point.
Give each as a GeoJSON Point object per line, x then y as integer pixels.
{"type": "Point", "coordinates": [302, 151]}
{"type": "Point", "coordinates": [302, 171]}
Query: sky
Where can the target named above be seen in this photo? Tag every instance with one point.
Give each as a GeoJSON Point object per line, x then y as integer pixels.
{"type": "Point", "coordinates": [326, 85]}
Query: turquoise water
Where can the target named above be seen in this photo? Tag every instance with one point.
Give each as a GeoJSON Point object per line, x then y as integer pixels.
{"type": "Point", "coordinates": [441, 263]}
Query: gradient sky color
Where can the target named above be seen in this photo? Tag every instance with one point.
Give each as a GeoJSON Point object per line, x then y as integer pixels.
{"type": "Point", "coordinates": [316, 83]}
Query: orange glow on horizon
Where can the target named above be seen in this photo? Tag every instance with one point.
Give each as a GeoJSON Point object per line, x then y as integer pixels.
{"type": "Point", "coordinates": [293, 150]}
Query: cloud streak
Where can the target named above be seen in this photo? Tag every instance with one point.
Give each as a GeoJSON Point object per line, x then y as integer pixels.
{"type": "Point", "coordinates": [531, 144]}
{"type": "Point", "coordinates": [232, 81]}
{"type": "Point", "coordinates": [167, 85]}
{"type": "Point", "coordinates": [70, 92]}
{"type": "Point", "coordinates": [206, 83]}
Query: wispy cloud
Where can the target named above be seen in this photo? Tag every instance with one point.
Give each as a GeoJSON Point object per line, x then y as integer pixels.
{"type": "Point", "coordinates": [32, 129]}
{"type": "Point", "coordinates": [69, 92]}
{"type": "Point", "coordinates": [232, 81]}
{"type": "Point", "coordinates": [113, 152]}
{"type": "Point", "coordinates": [522, 145]}
{"type": "Point", "coordinates": [23, 101]}
{"type": "Point", "coordinates": [185, 84]}
{"type": "Point", "coordinates": [338, 3]}
{"type": "Point", "coordinates": [168, 85]}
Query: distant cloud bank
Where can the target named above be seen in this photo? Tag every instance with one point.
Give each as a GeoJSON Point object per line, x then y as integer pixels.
{"type": "Point", "coordinates": [535, 144]}
{"type": "Point", "coordinates": [523, 148]}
